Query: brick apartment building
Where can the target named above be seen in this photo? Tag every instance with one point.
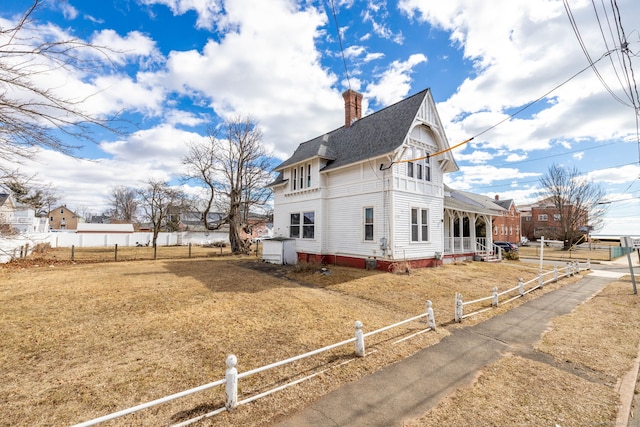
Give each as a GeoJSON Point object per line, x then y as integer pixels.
{"type": "Point", "coordinates": [506, 227]}
{"type": "Point", "coordinates": [544, 219]}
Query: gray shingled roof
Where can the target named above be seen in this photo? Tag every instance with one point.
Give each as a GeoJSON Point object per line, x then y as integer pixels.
{"type": "Point", "coordinates": [470, 202]}
{"type": "Point", "coordinates": [374, 135]}
{"type": "Point", "coordinates": [504, 203]}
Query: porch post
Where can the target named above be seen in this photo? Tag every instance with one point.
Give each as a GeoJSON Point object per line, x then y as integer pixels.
{"type": "Point", "coordinates": [489, 234]}
{"type": "Point", "coordinates": [472, 231]}
{"type": "Point", "coordinates": [461, 231]}
{"type": "Point", "coordinates": [452, 222]}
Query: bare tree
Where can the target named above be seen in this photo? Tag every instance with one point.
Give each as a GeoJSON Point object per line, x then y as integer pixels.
{"type": "Point", "coordinates": [236, 167]}
{"type": "Point", "coordinates": [159, 201]}
{"type": "Point", "coordinates": [200, 163]}
{"type": "Point", "coordinates": [31, 113]}
{"type": "Point", "coordinates": [28, 191]}
{"type": "Point", "coordinates": [577, 203]}
{"type": "Point", "coordinates": [123, 203]}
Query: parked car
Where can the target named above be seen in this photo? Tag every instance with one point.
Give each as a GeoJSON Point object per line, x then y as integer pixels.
{"type": "Point", "coordinates": [506, 246]}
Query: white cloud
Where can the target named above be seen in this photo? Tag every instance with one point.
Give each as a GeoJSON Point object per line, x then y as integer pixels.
{"type": "Point", "coordinates": [476, 157]}
{"type": "Point", "coordinates": [208, 11]}
{"type": "Point", "coordinates": [394, 82]}
{"type": "Point", "coordinates": [122, 49]}
{"type": "Point", "coordinates": [511, 72]}
{"type": "Point", "coordinates": [514, 157]}
{"type": "Point", "coordinates": [618, 175]}
{"type": "Point", "coordinates": [286, 89]}
{"type": "Point", "coordinates": [68, 11]}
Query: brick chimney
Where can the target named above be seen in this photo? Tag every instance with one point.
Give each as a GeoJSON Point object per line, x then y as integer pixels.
{"type": "Point", "coordinates": [352, 107]}
{"type": "Point", "coordinates": [497, 197]}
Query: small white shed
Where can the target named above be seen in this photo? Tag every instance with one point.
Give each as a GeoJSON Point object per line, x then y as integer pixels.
{"type": "Point", "coordinates": [279, 250]}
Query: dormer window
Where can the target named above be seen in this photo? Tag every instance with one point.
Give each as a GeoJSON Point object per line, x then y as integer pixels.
{"type": "Point", "coordinates": [301, 177]}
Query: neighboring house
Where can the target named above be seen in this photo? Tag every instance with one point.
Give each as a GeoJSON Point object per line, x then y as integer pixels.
{"type": "Point", "coordinates": [526, 222]}
{"type": "Point", "coordinates": [7, 208]}
{"type": "Point", "coordinates": [546, 219]}
{"type": "Point", "coordinates": [371, 193]}
{"type": "Point", "coordinates": [192, 220]}
{"type": "Point", "coordinates": [506, 227]}
{"type": "Point", "coordinates": [260, 227]}
{"type": "Point", "coordinates": [100, 219]}
{"type": "Point", "coordinates": [25, 220]}
{"type": "Point", "coordinates": [62, 219]}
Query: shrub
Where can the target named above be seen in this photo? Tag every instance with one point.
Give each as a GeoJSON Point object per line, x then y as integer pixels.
{"type": "Point", "coordinates": [512, 256]}
{"type": "Point", "coordinates": [402, 267]}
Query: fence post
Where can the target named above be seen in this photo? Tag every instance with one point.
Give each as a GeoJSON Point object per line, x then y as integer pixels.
{"type": "Point", "coordinates": [231, 386]}
{"type": "Point", "coordinates": [359, 339]}
{"type": "Point", "coordinates": [189, 249]}
{"type": "Point", "coordinates": [431, 320]}
{"type": "Point", "coordinates": [73, 250]}
{"type": "Point", "coordinates": [458, 315]}
{"type": "Point", "coordinates": [566, 273]}
{"type": "Point", "coordinates": [494, 301]}
{"type": "Point", "coordinates": [540, 280]}
{"type": "Point", "coordinates": [555, 273]}
{"type": "Point", "coordinates": [116, 253]}
{"type": "Point", "coordinates": [588, 264]}
{"type": "Point", "coordinates": [521, 286]}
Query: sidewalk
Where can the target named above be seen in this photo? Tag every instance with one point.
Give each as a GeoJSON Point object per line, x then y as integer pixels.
{"type": "Point", "coordinates": [409, 388]}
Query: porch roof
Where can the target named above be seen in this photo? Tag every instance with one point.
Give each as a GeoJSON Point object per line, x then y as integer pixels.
{"type": "Point", "coordinates": [470, 202]}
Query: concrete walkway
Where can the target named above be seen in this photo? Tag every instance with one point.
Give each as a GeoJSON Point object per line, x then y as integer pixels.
{"type": "Point", "coordinates": [409, 388]}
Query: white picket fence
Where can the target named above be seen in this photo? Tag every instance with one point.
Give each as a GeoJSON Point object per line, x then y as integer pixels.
{"type": "Point", "coordinates": [232, 376]}
{"type": "Point", "coordinates": [570, 269]}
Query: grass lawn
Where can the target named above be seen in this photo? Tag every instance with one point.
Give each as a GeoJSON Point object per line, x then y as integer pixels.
{"type": "Point", "coordinates": [81, 340]}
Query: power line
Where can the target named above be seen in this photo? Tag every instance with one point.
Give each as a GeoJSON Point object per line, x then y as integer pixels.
{"type": "Point", "coordinates": [580, 174]}
{"type": "Point", "coordinates": [344, 61]}
{"type": "Point", "coordinates": [506, 118]}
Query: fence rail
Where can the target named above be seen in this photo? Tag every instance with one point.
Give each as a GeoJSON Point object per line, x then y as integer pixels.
{"type": "Point", "coordinates": [570, 268]}
{"type": "Point", "coordinates": [232, 376]}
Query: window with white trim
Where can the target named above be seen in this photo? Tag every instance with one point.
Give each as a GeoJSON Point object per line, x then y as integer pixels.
{"type": "Point", "coordinates": [309, 175]}
{"type": "Point", "coordinates": [294, 179]}
{"type": "Point", "coordinates": [419, 225]}
{"type": "Point", "coordinates": [368, 224]}
{"type": "Point", "coordinates": [556, 217]}
{"type": "Point", "coordinates": [301, 177]}
{"type": "Point", "coordinates": [543, 217]}
{"type": "Point", "coordinates": [294, 225]}
{"type": "Point", "coordinates": [308, 225]}
{"type": "Point", "coordinates": [302, 225]}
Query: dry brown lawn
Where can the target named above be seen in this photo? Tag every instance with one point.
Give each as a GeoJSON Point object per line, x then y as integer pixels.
{"type": "Point", "coordinates": [81, 340]}
{"type": "Point", "coordinates": [593, 346]}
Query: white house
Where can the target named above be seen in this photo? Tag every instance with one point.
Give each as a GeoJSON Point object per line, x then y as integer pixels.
{"type": "Point", "coordinates": [371, 193]}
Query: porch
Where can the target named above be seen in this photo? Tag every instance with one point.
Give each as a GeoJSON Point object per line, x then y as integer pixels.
{"type": "Point", "coordinates": [468, 225]}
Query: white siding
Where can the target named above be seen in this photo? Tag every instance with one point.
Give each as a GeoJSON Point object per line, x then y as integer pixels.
{"type": "Point", "coordinates": [350, 191]}
{"type": "Point", "coordinates": [287, 203]}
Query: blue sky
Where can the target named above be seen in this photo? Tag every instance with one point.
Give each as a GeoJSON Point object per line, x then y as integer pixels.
{"type": "Point", "coordinates": [182, 65]}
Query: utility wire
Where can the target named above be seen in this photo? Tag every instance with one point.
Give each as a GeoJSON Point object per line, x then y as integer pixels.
{"type": "Point", "coordinates": [344, 61]}
{"type": "Point", "coordinates": [591, 64]}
